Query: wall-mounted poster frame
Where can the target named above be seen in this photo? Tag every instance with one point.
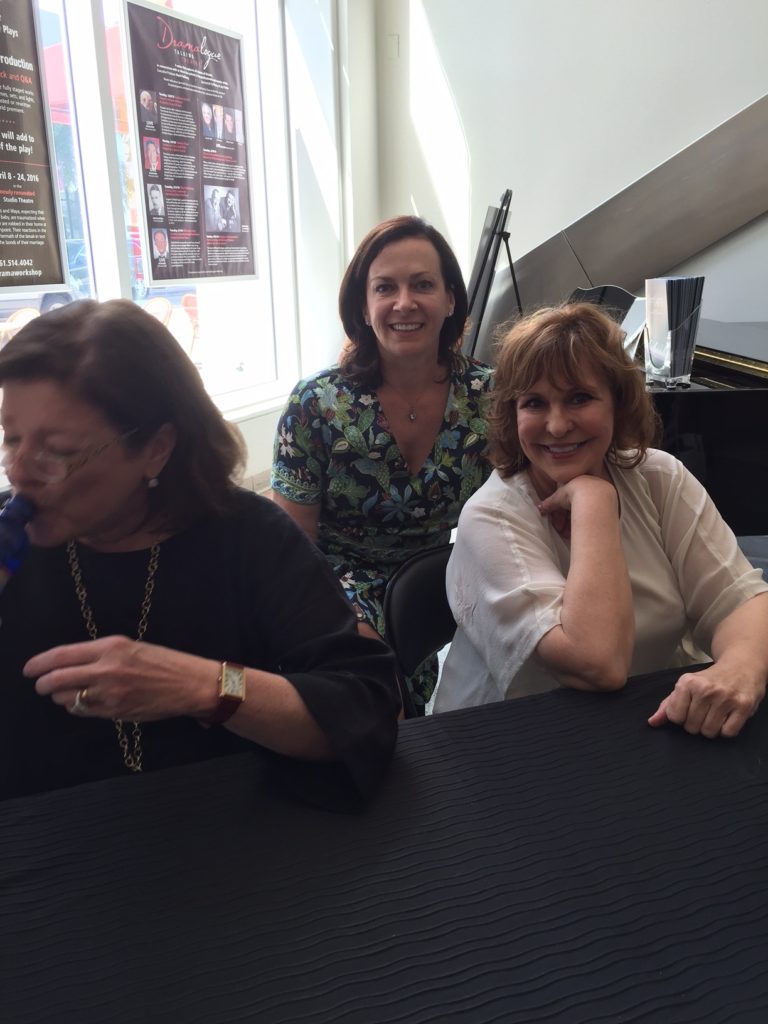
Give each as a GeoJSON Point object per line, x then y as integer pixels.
{"type": "Point", "coordinates": [188, 94]}
{"type": "Point", "coordinates": [31, 254]}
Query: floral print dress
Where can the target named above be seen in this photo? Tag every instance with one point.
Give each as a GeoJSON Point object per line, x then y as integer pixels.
{"type": "Point", "coordinates": [334, 448]}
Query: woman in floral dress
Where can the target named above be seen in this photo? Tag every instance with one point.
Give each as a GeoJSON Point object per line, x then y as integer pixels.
{"type": "Point", "coordinates": [375, 457]}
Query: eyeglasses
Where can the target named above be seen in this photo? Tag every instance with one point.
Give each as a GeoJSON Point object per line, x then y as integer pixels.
{"type": "Point", "coordinates": [52, 468]}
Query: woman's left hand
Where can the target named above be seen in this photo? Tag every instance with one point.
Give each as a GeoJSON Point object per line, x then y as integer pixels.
{"type": "Point", "coordinates": [714, 702]}
{"type": "Point", "coordinates": [121, 678]}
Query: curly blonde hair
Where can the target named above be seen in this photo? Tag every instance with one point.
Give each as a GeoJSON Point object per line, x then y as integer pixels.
{"type": "Point", "coordinates": [561, 344]}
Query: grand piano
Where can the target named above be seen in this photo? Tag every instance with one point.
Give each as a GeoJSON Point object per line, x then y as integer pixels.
{"type": "Point", "coordinates": [719, 429]}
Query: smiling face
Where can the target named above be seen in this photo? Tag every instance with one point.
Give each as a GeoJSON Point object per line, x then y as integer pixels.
{"type": "Point", "coordinates": [565, 430]}
{"type": "Point", "coordinates": [229, 122]}
{"type": "Point", "coordinates": [104, 499]}
{"type": "Point", "coordinates": [207, 113]}
{"type": "Point", "coordinates": [406, 300]}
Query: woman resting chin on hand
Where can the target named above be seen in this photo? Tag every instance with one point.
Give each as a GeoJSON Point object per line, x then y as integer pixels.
{"type": "Point", "coordinates": [588, 556]}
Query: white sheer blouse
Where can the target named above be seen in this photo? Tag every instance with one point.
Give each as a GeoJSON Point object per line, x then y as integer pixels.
{"type": "Point", "coordinates": [509, 565]}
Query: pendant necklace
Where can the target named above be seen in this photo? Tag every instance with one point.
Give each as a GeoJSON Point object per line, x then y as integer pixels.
{"type": "Point", "coordinates": [130, 746]}
{"type": "Point", "coordinates": [412, 414]}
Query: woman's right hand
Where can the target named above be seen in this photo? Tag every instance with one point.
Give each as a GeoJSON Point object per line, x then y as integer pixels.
{"type": "Point", "coordinates": [594, 491]}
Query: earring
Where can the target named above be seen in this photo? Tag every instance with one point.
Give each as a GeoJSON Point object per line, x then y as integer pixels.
{"type": "Point", "coordinates": [367, 322]}
{"type": "Point", "coordinates": [151, 484]}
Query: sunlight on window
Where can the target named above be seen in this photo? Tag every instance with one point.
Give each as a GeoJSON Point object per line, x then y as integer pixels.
{"type": "Point", "coordinates": [443, 144]}
{"type": "Point", "coordinates": [311, 124]}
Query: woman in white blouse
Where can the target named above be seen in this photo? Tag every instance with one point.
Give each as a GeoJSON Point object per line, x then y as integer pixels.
{"type": "Point", "coordinates": [588, 556]}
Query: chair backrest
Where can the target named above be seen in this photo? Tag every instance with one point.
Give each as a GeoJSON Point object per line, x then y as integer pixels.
{"type": "Point", "coordinates": [417, 617]}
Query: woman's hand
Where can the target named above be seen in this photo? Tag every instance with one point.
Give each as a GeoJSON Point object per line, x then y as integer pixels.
{"type": "Point", "coordinates": [582, 488]}
{"type": "Point", "coordinates": [139, 682]}
{"type": "Point", "coordinates": [714, 702]}
{"type": "Point", "coordinates": [126, 679]}
{"type": "Point", "coordinates": [718, 700]}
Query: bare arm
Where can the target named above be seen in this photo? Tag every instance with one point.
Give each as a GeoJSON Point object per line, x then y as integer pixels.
{"type": "Point", "coordinates": [305, 516]}
{"type": "Point", "coordinates": [145, 682]}
{"type": "Point", "coordinates": [592, 647]}
{"type": "Point", "coordinates": [720, 699]}
{"type": "Point", "coordinates": [308, 517]}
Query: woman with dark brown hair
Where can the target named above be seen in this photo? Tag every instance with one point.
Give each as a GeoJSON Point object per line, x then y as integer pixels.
{"type": "Point", "coordinates": [374, 458]}
{"type": "Point", "coordinates": [158, 596]}
{"type": "Point", "coordinates": [589, 556]}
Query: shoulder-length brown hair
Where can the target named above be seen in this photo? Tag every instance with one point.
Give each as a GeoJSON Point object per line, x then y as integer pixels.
{"type": "Point", "coordinates": [561, 344]}
{"type": "Point", "coordinates": [125, 363]}
{"type": "Point", "coordinates": [360, 358]}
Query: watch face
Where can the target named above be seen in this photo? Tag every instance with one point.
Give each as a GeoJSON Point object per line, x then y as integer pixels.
{"type": "Point", "coordinates": [233, 681]}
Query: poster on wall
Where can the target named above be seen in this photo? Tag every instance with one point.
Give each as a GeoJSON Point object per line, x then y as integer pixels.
{"type": "Point", "coordinates": [30, 246]}
{"type": "Point", "coordinates": [187, 86]}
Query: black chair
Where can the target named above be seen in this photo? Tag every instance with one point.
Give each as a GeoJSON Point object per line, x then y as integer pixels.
{"type": "Point", "coordinates": [417, 617]}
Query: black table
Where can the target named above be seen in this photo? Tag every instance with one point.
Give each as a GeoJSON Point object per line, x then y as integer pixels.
{"type": "Point", "coordinates": [549, 859]}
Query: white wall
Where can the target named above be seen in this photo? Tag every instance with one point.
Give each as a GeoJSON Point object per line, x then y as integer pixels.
{"type": "Point", "coordinates": [258, 433]}
{"type": "Point", "coordinates": [564, 101]}
{"type": "Point", "coordinates": [313, 136]}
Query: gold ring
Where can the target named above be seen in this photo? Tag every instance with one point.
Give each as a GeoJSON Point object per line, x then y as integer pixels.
{"type": "Point", "coordinates": [80, 706]}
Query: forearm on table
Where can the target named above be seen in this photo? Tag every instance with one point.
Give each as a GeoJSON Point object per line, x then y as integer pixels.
{"type": "Point", "coordinates": [741, 639]}
{"type": "Point", "coordinates": [718, 700]}
{"type": "Point", "coordinates": [592, 647]}
{"type": "Point", "coordinates": [272, 714]}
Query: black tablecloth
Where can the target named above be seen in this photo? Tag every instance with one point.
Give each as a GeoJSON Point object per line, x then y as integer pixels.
{"type": "Point", "coordinates": [549, 859]}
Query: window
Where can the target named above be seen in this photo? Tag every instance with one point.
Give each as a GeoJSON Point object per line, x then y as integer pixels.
{"type": "Point", "coordinates": [229, 328]}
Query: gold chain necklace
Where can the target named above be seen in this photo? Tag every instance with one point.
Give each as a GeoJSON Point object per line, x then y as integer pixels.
{"type": "Point", "coordinates": [130, 747]}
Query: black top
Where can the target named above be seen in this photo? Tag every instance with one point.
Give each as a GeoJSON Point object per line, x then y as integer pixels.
{"type": "Point", "coordinates": [251, 589]}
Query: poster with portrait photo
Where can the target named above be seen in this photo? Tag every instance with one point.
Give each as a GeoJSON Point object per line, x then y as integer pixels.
{"type": "Point", "coordinates": [152, 160]}
{"type": "Point", "coordinates": [222, 209]}
{"type": "Point", "coordinates": [230, 210]}
{"type": "Point", "coordinates": [187, 80]}
{"type": "Point", "coordinates": [161, 254]}
{"type": "Point", "coordinates": [30, 222]}
{"type": "Point", "coordinates": [155, 202]}
{"type": "Point", "coordinates": [148, 116]}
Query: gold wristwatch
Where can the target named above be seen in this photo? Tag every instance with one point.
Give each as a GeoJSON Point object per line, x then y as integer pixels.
{"type": "Point", "coordinates": [231, 692]}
